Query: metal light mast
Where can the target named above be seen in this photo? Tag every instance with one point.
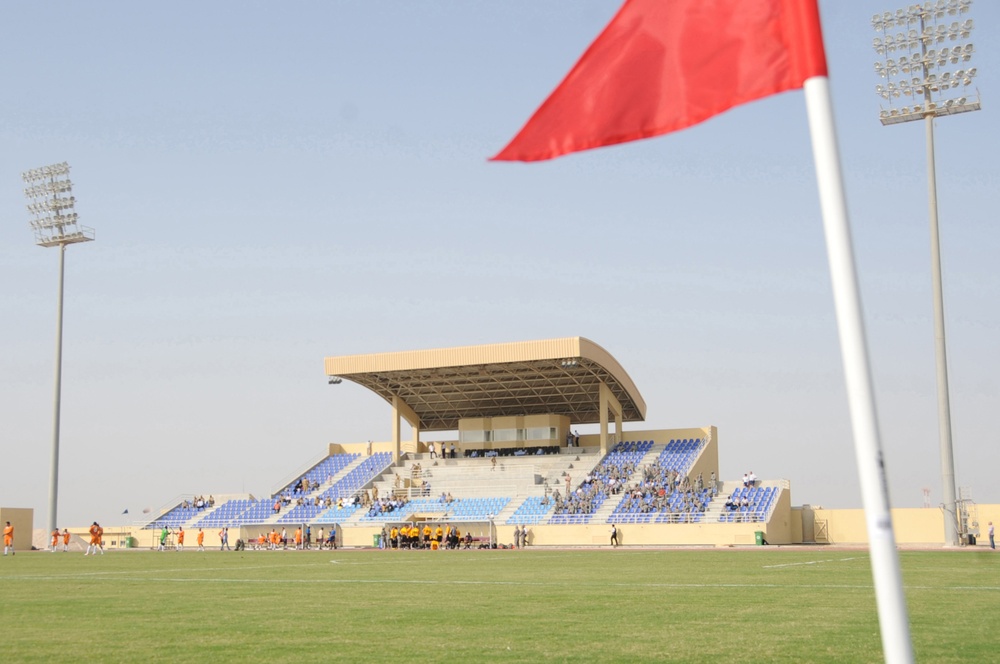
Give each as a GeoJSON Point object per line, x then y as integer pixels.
{"type": "Point", "coordinates": [50, 204]}
{"type": "Point", "coordinates": [928, 71]}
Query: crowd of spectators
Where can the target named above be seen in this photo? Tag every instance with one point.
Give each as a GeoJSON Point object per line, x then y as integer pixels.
{"type": "Point", "coordinates": [387, 505]}
{"type": "Point", "coordinates": [198, 503]}
{"type": "Point", "coordinates": [608, 478]}
{"type": "Point", "coordinates": [664, 489]}
{"type": "Point", "coordinates": [512, 451]}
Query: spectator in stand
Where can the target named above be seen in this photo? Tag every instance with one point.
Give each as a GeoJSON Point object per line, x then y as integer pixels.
{"type": "Point", "coordinates": [433, 452]}
{"type": "Point", "coordinates": [453, 450]}
{"type": "Point", "coordinates": [752, 478]}
{"type": "Point", "coordinates": [746, 479]}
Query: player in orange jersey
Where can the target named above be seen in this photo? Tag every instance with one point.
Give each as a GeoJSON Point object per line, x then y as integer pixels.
{"type": "Point", "coordinates": [100, 539]}
{"type": "Point", "coordinates": [201, 539]}
{"type": "Point", "coordinates": [55, 540]}
{"type": "Point", "coordinates": [8, 539]}
{"type": "Point", "coordinates": [92, 546]}
{"type": "Point", "coordinates": [65, 537]}
{"type": "Point", "coordinates": [180, 538]}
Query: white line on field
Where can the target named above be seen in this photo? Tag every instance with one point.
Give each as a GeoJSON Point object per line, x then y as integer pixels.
{"type": "Point", "coordinates": [552, 584]}
{"type": "Point", "coordinates": [810, 562]}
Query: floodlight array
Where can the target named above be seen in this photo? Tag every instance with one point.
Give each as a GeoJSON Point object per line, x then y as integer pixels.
{"type": "Point", "coordinates": [50, 204]}
{"type": "Point", "coordinates": [921, 79]}
{"type": "Point", "coordinates": [46, 172]}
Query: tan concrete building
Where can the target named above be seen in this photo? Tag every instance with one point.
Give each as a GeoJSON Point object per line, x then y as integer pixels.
{"type": "Point", "coordinates": [510, 410]}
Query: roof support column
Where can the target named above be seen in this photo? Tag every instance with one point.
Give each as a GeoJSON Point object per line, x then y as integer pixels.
{"type": "Point", "coordinates": [401, 409]}
{"type": "Point", "coordinates": [608, 402]}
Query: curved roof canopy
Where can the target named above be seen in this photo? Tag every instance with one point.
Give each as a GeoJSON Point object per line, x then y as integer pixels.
{"type": "Point", "coordinates": [442, 386]}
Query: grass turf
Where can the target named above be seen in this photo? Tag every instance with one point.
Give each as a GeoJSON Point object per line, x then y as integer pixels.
{"type": "Point", "coordinates": [812, 605]}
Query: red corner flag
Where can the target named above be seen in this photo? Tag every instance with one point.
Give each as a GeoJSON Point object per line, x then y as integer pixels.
{"type": "Point", "coordinates": [663, 65]}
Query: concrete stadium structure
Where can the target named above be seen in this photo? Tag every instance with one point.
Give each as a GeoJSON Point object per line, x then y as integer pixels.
{"type": "Point", "coordinates": [514, 407]}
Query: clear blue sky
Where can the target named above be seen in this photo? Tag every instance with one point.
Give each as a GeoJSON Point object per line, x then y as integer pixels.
{"type": "Point", "coordinates": [273, 183]}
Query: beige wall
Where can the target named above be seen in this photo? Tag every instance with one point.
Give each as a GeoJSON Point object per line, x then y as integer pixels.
{"type": "Point", "coordinates": [911, 526]}
{"type": "Point", "coordinates": [23, 520]}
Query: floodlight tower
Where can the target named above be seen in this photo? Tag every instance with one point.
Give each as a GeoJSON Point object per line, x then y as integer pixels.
{"type": "Point", "coordinates": [50, 204]}
{"type": "Point", "coordinates": [919, 45]}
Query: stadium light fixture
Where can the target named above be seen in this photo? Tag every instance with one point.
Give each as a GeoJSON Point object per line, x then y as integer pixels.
{"type": "Point", "coordinates": [50, 203]}
{"type": "Point", "coordinates": [334, 380]}
{"type": "Point", "coordinates": [927, 74]}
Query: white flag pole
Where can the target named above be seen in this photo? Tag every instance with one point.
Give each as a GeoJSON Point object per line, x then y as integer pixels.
{"type": "Point", "coordinates": [891, 602]}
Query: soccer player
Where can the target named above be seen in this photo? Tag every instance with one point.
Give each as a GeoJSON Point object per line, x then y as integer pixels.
{"type": "Point", "coordinates": [92, 546]}
{"type": "Point", "coordinates": [201, 539]}
{"type": "Point", "coordinates": [65, 537]}
{"type": "Point", "coordinates": [163, 538]}
{"type": "Point", "coordinates": [180, 538]}
{"type": "Point", "coordinates": [100, 538]}
{"type": "Point", "coordinates": [8, 539]}
{"type": "Point", "coordinates": [55, 540]}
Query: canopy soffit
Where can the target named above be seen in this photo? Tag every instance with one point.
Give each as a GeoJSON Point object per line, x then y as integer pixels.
{"type": "Point", "coordinates": [442, 386]}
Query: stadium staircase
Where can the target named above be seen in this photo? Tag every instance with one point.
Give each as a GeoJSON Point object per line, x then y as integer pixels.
{"type": "Point", "coordinates": [603, 513]}
{"type": "Point", "coordinates": [512, 477]}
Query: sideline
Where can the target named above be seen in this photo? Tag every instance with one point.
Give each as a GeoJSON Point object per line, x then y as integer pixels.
{"type": "Point", "coordinates": [811, 562]}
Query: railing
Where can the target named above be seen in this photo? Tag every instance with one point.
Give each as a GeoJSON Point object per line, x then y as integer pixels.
{"type": "Point", "coordinates": [458, 492]}
{"type": "Point", "coordinates": [153, 515]}
{"type": "Point", "coordinates": [287, 480]}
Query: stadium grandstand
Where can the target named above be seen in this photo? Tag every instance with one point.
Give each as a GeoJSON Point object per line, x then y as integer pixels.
{"type": "Point", "coordinates": [494, 448]}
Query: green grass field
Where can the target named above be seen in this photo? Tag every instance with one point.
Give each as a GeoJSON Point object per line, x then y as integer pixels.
{"type": "Point", "coordinates": [813, 605]}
